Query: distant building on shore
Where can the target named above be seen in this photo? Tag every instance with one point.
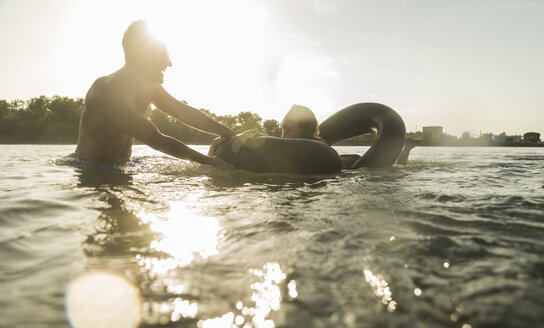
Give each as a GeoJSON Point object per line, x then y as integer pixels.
{"type": "Point", "coordinates": [486, 139]}
{"type": "Point", "coordinates": [433, 134]}
{"type": "Point", "coordinates": [503, 139]}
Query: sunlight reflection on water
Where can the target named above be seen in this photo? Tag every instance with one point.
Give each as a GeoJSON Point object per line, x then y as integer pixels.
{"type": "Point", "coordinates": [454, 238]}
{"type": "Point", "coordinates": [266, 296]}
{"type": "Point", "coordinates": [183, 234]}
{"type": "Point", "coordinates": [183, 309]}
{"type": "Point", "coordinates": [381, 289]}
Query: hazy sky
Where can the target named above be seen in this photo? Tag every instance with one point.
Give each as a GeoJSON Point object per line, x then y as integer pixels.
{"type": "Point", "coordinates": [467, 65]}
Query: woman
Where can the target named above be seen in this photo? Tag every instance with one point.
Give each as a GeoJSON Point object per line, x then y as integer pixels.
{"type": "Point", "coordinates": [300, 122]}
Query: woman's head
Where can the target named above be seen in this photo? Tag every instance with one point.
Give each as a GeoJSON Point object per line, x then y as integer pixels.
{"type": "Point", "coordinates": [299, 122]}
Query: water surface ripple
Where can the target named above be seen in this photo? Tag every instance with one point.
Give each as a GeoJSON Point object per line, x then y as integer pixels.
{"type": "Point", "coordinates": [453, 239]}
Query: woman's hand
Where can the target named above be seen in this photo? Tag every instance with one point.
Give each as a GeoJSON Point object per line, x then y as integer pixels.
{"type": "Point", "coordinates": [216, 142]}
{"type": "Point", "coordinates": [237, 143]}
{"type": "Point", "coordinates": [239, 140]}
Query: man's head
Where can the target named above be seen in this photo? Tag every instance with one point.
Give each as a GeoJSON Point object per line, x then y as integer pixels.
{"type": "Point", "coordinates": [144, 52]}
{"type": "Point", "coordinates": [299, 122]}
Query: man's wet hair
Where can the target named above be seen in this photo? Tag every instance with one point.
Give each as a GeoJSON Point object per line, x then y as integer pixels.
{"type": "Point", "coordinates": [138, 41]}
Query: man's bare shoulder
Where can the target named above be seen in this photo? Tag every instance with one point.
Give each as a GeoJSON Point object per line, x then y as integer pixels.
{"type": "Point", "coordinates": [97, 89]}
{"type": "Point", "coordinates": [105, 90]}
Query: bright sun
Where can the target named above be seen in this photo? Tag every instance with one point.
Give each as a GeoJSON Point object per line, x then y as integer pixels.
{"type": "Point", "coordinates": [227, 56]}
{"type": "Point", "coordinates": [204, 25]}
{"type": "Point", "coordinates": [217, 49]}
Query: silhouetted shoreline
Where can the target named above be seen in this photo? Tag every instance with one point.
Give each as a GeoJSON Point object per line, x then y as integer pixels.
{"type": "Point", "coordinates": [55, 120]}
{"type": "Point", "coordinates": [4, 141]}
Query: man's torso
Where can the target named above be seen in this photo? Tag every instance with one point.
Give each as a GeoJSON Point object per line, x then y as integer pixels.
{"type": "Point", "coordinates": [100, 140]}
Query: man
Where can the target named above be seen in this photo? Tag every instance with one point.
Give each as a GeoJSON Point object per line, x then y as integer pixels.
{"type": "Point", "coordinates": [115, 106]}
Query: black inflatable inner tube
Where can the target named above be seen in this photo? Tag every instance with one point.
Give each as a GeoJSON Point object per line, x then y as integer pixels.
{"type": "Point", "coordinates": [266, 154]}
{"type": "Point", "coordinates": [365, 118]}
{"type": "Point", "coordinates": [304, 156]}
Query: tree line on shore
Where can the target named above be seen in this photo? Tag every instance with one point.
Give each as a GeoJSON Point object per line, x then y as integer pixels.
{"type": "Point", "coordinates": [56, 120]}
{"type": "Point", "coordinates": [40, 119]}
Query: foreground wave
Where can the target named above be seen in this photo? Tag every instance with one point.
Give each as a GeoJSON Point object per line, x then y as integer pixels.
{"type": "Point", "coordinates": [451, 240]}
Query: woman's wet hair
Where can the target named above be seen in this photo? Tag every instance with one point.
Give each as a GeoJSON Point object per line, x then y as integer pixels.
{"type": "Point", "coordinates": [306, 120]}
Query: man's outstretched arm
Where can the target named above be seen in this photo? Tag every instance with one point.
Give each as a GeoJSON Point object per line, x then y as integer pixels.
{"type": "Point", "coordinates": [190, 115]}
{"type": "Point", "coordinates": [134, 124]}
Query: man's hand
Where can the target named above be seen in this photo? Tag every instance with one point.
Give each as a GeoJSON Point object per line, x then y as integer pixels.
{"type": "Point", "coordinates": [218, 162]}
{"type": "Point", "coordinates": [216, 142]}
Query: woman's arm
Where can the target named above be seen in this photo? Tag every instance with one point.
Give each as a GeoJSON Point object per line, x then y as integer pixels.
{"type": "Point", "coordinates": [236, 142]}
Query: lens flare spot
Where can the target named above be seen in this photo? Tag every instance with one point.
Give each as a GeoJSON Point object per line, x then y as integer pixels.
{"type": "Point", "coordinates": [102, 299]}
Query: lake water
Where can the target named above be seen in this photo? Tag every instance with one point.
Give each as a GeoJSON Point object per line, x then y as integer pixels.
{"type": "Point", "coordinates": [453, 239]}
